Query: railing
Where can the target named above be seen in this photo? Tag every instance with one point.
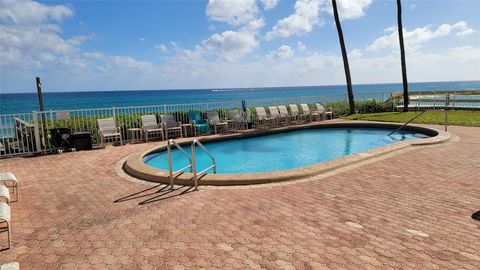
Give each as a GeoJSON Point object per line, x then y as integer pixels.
{"type": "Point", "coordinates": [170, 164]}
{"type": "Point", "coordinates": [196, 174]}
{"type": "Point", "coordinates": [32, 136]}
{"type": "Point", "coordinates": [406, 123]}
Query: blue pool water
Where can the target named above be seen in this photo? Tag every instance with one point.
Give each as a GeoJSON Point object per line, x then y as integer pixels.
{"type": "Point", "coordinates": [283, 151]}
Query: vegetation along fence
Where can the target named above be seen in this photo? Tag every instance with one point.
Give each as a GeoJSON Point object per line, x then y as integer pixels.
{"type": "Point", "coordinates": [28, 133]}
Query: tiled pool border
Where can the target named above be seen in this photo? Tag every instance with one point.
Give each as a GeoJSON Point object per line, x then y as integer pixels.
{"type": "Point", "coordinates": [135, 167]}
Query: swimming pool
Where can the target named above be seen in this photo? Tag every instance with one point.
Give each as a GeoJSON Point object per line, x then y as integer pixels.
{"type": "Point", "coordinates": [284, 151]}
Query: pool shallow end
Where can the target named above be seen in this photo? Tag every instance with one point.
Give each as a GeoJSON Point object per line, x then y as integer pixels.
{"type": "Point", "coordinates": [135, 166]}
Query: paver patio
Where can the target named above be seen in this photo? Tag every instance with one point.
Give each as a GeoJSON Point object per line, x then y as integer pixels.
{"type": "Point", "coordinates": [410, 210]}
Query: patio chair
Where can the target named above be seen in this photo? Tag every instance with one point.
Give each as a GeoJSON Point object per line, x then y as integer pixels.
{"type": "Point", "coordinates": [200, 125]}
{"type": "Point", "coordinates": [107, 129]}
{"type": "Point", "coordinates": [9, 180]}
{"type": "Point", "coordinates": [263, 118]}
{"type": "Point", "coordinates": [318, 112]}
{"type": "Point", "coordinates": [170, 125]}
{"type": "Point", "coordinates": [306, 112]}
{"type": "Point", "coordinates": [5, 218]}
{"type": "Point", "coordinates": [282, 109]}
{"type": "Point", "coordinates": [296, 113]}
{"type": "Point", "coordinates": [5, 193]}
{"type": "Point", "coordinates": [214, 120]}
{"type": "Point", "coordinates": [151, 126]}
{"type": "Point", "coordinates": [327, 112]}
{"type": "Point", "coordinates": [275, 113]}
{"type": "Point", "coordinates": [237, 119]}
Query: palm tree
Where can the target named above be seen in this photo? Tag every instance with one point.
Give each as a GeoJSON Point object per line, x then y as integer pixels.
{"type": "Point", "coordinates": [351, 102]}
{"type": "Point", "coordinates": [402, 56]}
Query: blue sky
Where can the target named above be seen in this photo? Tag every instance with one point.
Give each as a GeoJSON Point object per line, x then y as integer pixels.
{"type": "Point", "coordinates": [110, 45]}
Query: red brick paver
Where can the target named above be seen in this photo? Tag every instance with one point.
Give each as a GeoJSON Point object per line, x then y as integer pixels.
{"type": "Point", "coordinates": [411, 210]}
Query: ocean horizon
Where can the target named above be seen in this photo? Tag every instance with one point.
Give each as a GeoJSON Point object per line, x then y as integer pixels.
{"type": "Point", "coordinates": [16, 103]}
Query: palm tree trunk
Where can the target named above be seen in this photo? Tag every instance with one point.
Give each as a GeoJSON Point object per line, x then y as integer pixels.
{"type": "Point", "coordinates": [346, 67]}
{"type": "Point", "coordinates": [402, 55]}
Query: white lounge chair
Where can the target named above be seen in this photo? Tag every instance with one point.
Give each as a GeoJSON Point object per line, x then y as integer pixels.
{"type": "Point", "coordinates": [237, 120]}
{"type": "Point", "coordinates": [214, 120]}
{"type": "Point", "coordinates": [282, 109]}
{"type": "Point", "coordinates": [276, 114]}
{"type": "Point", "coordinates": [5, 193]}
{"type": "Point", "coordinates": [107, 130]}
{"type": "Point", "coordinates": [9, 180]}
{"type": "Point", "coordinates": [263, 118]}
{"type": "Point", "coordinates": [151, 126]}
{"type": "Point", "coordinates": [5, 218]}
{"type": "Point", "coordinates": [170, 125]}
{"type": "Point", "coordinates": [306, 111]}
{"type": "Point", "coordinates": [319, 112]}
{"type": "Point", "coordinates": [296, 113]}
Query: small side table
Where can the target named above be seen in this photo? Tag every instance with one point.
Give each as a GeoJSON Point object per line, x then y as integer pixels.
{"type": "Point", "coordinates": [184, 130]}
{"type": "Point", "coordinates": [135, 135]}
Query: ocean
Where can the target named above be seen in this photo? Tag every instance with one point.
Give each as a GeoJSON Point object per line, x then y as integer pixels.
{"type": "Point", "coordinates": [12, 103]}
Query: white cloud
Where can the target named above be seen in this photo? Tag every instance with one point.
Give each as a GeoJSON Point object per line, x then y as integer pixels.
{"type": "Point", "coordinates": [349, 9]}
{"type": "Point", "coordinates": [300, 22]}
{"type": "Point", "coordinates": [142, 39]}
{"type": "Point", "coordinates": [355, 54]}
{"type": "Point", "coordinates": [30, 35]}
{"type": "Point", "coordinates": [269, 4]}
{"type": "Point", "coordinates": [162, 47]}
{"type": "Point", "coordinates": [300, 46]}
{"type": "Point", "coordinates": [466, 32]}
{"type": "Point", "coordinates": [231, 45]}
{"type": "Point", "coordinates": [283, 52]}
{"type": "Point", "coordinates": [413, 6]}
{"type": "Point", "coordinates": [21, 12]}
{"type": "Point", "coordinates": [418, 36]}
{"type": "Point", "coordinates": [236, 12]}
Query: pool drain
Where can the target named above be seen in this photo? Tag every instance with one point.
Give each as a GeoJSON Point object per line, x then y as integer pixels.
{"type": "Point", "coordinates": [476, 215]}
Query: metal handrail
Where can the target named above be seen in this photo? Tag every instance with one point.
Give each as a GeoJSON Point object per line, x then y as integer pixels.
{"type": "Point", "coordinates": [194, 162]}
{"type": "Point", "coordinates": [406, 123]}
{"type": "Point", "coordinates": [170, 165]}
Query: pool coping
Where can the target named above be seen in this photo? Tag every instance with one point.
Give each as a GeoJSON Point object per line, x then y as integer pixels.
{"type": "Point", "coordinates": [135, 167]}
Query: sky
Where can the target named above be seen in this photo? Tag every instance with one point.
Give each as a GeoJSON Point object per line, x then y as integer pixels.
{"type": "Point", "coordinates": [122, 45]}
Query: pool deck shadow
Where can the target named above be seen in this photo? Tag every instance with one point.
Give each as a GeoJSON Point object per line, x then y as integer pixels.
{"type": "Point", "coordinates": [156, 193]}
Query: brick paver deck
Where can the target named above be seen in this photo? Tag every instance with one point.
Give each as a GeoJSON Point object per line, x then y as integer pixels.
{"type": "Point", "coordinates": [411, 210]}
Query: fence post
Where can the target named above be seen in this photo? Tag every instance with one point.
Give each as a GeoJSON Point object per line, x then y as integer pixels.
{"type": "Point", "coordinates": [113, 113]}
{"type": "Point", "coordinates": [164, 108]}
{"type": "Point", "coordinates": [51, 119]}
{"type": "Point", "coordinates": [36, 130]}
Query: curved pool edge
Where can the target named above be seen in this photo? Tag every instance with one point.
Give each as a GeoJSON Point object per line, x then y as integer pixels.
{"type": "Point", "coordinates": [135, 166]}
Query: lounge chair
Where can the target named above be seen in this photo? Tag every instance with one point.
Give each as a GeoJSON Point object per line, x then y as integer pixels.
{"type": "Point", "coordinates": [107, 129]}
{"type": "Point", "coordinates": [282, 109]}
{"type": "Point", "coordinates": [263, 118]}
{"type": "Point", "coordinates": [5, 218]}
{"type": "Point", "coordinates": [275, 113]}
{"type": "Point", "coordinates": [5, 193]}
{"type": "Point", "coordinates": [214, 120]}
{"type": "Point", "coordinates": [306, 112]}
{"type": "Point", "coordinates": [151, 126]}
{"type": "Point", "coordinates": [170, 125]}
{"type": "Point", "coordinates": [200, 125]}
{"type": "Point", "coordinates": [237, 120]}
{"type": "Point", "coordinates": [319, 112]}
{"type": "Point", "coordinates": [296, 113]}
{"type": "Point", "coordinates": [9, 180]}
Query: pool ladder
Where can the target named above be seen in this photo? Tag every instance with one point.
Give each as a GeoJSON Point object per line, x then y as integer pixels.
{"type": "Point", "coordinates": [191, 160]}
